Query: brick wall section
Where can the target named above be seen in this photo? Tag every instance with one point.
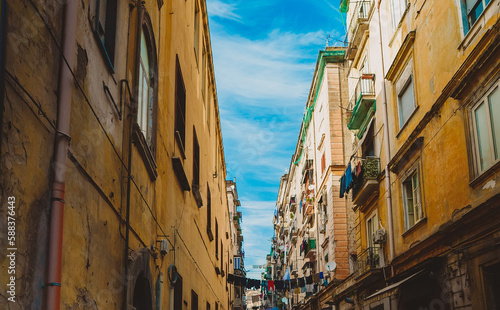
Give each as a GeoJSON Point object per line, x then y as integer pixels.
{"type": "Point", "coordinates": [339, 213]}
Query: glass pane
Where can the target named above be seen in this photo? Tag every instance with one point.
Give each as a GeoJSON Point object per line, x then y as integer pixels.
{"type": "Point", "coordinates": [406, 104]}
{"type": "Point", "coordinates": [144, 54]}
{"type": "Point", "coordinates": [139, 101]}
{"type": "Point", "coordinates": [475, 12]}
{"type": "Point", "coordinates": [483, 141]}
{"type": "Point", "coordinates": [407, 185]}
{"type": "Point", "coordinates": [494, 102]}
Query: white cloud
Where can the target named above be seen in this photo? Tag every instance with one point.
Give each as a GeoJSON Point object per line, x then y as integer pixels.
{"type": "Point", "coordinates": [276, 67]}
{"type": "Point", "coordinates": [223, 10]}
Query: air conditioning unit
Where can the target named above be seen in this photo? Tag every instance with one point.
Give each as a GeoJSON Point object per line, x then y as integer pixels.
{"type": "Point", "coordinates": [379, 236]}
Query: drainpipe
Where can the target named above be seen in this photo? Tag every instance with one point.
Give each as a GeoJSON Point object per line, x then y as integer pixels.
{"type": "Point", "coordinates": [131, 115]}
{"type": "Point", "coordinates": [65, 86]}
{"type": "Point", "coordinates": [159, 289]}
{"type": "Point", "coordinates": [387, 147]}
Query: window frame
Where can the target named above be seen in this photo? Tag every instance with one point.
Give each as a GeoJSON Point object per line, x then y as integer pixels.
{"type": "Point", "coordinates": [106, 43]}
{"type": "Point", "coordinates": [180, 108]}
{"type": "Point", "coordinates": [369, 234]}
{"type": "Point", "coordinates": [405, 177]}
{"type": "Point", "coordinates": [404, 4]}
{"type": "Point", "coordinates": [401, 85]}
{"type": "Point", "coordinates": [146, 142]}
{"type": "Point", "coordinates": [477, 167]}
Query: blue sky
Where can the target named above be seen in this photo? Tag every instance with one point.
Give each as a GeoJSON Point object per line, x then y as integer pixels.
{"type": "Point", "coordinates": [264, 56]}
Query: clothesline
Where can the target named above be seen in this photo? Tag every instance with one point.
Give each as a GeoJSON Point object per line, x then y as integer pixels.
{"type": "Point", "coordinates": [303, 284]}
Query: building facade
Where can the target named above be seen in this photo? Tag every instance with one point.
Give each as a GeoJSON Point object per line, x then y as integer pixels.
{"type": "Point", "coordinates": [238, 295]}
{"type": "Point", "coordinates": [313, 226]}
{"type": "Point", "coordinates": [424, 108]}
{"type": "Point", "coordinates": [112, 157]}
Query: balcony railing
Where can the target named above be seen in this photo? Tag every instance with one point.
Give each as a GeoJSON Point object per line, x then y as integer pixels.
{"type": "Point", "coordinates": [362, 103]}
{"type": "Point", "coordinates": [369, 259]}
{"type": "Point", "coordinates": [358, 25]}
{"type": "Point", "coordinates": [366, 183]}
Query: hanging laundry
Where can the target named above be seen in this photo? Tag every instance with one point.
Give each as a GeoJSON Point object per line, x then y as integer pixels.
{"type": "Point", "coordinates": [309, 280]}
{"type": "Point", "coordinates": [316, 277]}
{"type": "Point", "coordinates": [303, 289]}
{"type": "Point", "coordinates": [279, 285]}
{"type": "Point", "coordinates": [302, 282]}
{"type": "Point", "coordinates": [342, 186]}
{"type": "Point", "coordinates": [293, 283]}
{"type": "Point", "coordinates": [257, 284]}
{"type": "Point", "coordinates": [230, 278]}
{"type": "Point", "coordinates": [249, 284]}
{"type": "Point", "coordinates": [359, 167]}
{"type": "Point", "coordinates": [321, 275]}
{"type": "Point", "coordinates": [287, 285]}
{"type": "Point", "coordinates": [348, 178]}
{"type": "Point", "coordinates": [297, 291]}
{"type": "Point", "coordinates": [309, 288]}
{"type": "Point", "coordinates": [270, 285]}
{"type": "Point", "coordinates": [264, 286]}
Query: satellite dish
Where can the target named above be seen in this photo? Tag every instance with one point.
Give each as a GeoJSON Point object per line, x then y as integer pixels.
{"type": "Point", "coordinates": [331, 266]}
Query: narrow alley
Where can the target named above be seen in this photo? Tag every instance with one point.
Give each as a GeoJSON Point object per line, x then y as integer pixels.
{"type": "Point", "coordinates": [241, 155]}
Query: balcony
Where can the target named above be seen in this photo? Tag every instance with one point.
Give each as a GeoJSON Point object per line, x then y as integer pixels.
{"type": "Point", "coordinates": [357, 26]}
{"type": "Point", "coordinates": [368, 264]}
{"type": "Point", "coordinates": [310, 249]}
{"type": "Point", "coordinates": [366, 184]}
{"type": "Point", "coordinates": [362, 104]}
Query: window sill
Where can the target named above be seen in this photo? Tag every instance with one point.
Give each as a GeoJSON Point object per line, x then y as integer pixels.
{"type": "Point", "coordinates": [407, 121]}
{"type": "Point", "coordinates": [415, 227]}
{"type": "Point", "coordinates": [485, 175]}
{"type": "Point", "coordinates": [145, 151]}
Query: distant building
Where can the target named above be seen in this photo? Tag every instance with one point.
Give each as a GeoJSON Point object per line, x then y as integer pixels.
{"type": "Point", "coordinates": [311, 221]}
{"type": "Point", "coordinates": [238, 292]}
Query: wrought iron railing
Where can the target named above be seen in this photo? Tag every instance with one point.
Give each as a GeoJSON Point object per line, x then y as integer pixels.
{"type": "Point", "coordinates": [370, 169]}
{"type": "Point", "coordinates": [364, 87]}
{"type": "Point", "coordinates": [361, 11]}
{"type": "Point", "coordinates": [368, 259]}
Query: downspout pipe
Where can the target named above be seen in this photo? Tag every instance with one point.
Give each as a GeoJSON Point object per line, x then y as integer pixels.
{"type": "Point", "coordinates": [387, 147]}
{"type": "Point", "coordinates": [65, 86]}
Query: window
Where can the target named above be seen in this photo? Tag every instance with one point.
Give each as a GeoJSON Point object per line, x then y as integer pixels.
{"type": "Point", "coordinates": [180, 106]}
{"type": "Point", "coordinates": [194, 300]}
{"type": "Point", "coordinates": [196, 28]}
{"type": "Point", "coordinates": [221, 257]}
{"type": "Point", "coordinates": [486, 129]}
{"type": "Point", "coordinates": [146, 87]}
{"type": "Point", "coordinates": [196, 160]}
{"type": "Point", "coordinates": [178, 293]}
{"type": "Point", "coordinates": [472, 10]}
{"type": "Point", "coordinates": [405, 94]}
{"type": "Point", "coordinates": [406, 103]}
{"type": "Point", "coordinates": [204, 73]}
{"type": "Point", "coordinates": [371, 227]}
{"type": "Point", "coordinates": [105, 28]}
{"type": "Point", "coordinates": [209, 214]}
{"type": "Point", "coordinates": [491, 281]}
{"type": "Point", "coordinates": [216, 239]}
{"type": "Point", "coordinates": [216, 306]}
{"type": "Point", "coordinates": [208, 305]}
{"type": "Point", "coordinates": [412, 198]}
{"type": "Point", "coordinates": [398, 9]}
{"type": "Point", "coordinates": [323, 163]}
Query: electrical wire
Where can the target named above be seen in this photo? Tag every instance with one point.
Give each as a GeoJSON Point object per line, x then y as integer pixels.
{"type": "Point", "coordinates": [35, 7]}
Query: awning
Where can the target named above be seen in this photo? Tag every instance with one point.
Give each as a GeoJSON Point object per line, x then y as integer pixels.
{"type": "Point", "coordinates": [393, 286]}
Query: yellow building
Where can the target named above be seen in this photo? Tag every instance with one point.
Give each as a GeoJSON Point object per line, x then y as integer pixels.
{"type": "Point", "coordinates": [425, 103]}
{"type": "Point", "coordinates": [112, 151]}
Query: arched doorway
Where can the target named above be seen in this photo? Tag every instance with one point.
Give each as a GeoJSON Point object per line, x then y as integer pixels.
{"type": "Point", "coordinates": [142, 294]}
